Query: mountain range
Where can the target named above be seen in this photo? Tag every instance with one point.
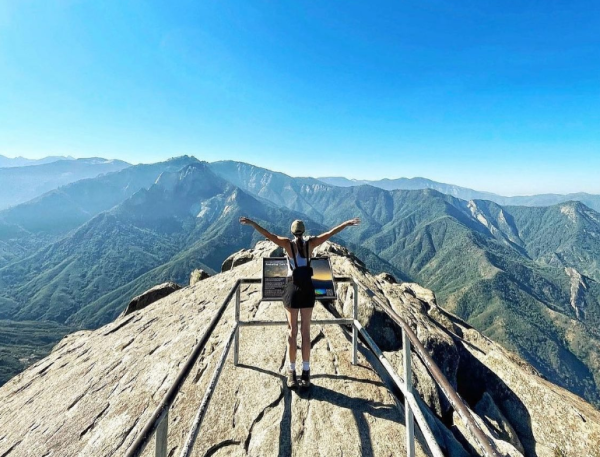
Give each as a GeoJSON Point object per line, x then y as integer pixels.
{"type": "Point", "coordinates": [591, 200]}
{"type": "Point", "coordinates": [525, 276]}
{"type": "Point", "coordinates": [8, 162]}
{"type": "Point", "coordinates": [29, 226]}
{"type": "Point", "coordinates": [20, 184]}
{"type": "Point", "coordinates": [186, 220]}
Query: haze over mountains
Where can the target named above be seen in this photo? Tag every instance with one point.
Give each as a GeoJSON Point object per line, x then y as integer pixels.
{"type": "Point", "coordinates": [20, 184]}
{"type": "Point", "coordinates": [526, 277]}
{"type": "Point", "coordinates": [26, 227]}
{"type": "Point", "coordinates": [6, 162]}
{"type": "Point", "coordinates": [591, 200]}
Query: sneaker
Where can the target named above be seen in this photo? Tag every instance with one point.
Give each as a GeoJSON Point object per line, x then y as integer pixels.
{"type": "Point", "coordinates": [305, 378]}
{"type": "Point", "coordinates": [292, 380]}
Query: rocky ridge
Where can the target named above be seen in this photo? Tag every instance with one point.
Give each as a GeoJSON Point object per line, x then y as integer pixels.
{"type": "Point", "coordinates": [94, 392]}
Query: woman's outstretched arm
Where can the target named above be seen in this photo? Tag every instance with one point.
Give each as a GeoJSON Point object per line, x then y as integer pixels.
{"type": "Point", "coordinates": [278, 240]}
{"type": "Point", "coordinates": [318, 240]}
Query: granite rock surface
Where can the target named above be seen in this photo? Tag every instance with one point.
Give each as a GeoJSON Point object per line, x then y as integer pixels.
{"type": "Point", "coordinates": [93, 394]}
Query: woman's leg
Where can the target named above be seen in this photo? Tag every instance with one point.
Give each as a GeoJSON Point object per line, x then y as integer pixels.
{"type": "Point", "coordinates": [306, 316]}
{"type": "Point", "coordinates": [292, 320]}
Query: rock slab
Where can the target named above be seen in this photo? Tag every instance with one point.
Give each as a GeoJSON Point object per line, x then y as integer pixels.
{"type": "Point", "coordinates": [150, 296]}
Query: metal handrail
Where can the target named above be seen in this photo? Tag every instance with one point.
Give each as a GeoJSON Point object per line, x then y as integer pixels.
{"type": "Point", "coordinates": [410, 405]}
{"type": "Point", "coordinates": [159, 419]}
{"type": "Point", "coordinates": [193, 433]}
{"type": "Point", "coordinates": [162, 410]}
{"type": "Point", "coordinates": [488, 447]}
{"type": "Point", "coordinates": [264, 323]}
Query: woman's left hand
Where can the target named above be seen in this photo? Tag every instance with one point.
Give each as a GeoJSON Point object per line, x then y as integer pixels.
{"type": "Point", "coordinates": [245, 221]}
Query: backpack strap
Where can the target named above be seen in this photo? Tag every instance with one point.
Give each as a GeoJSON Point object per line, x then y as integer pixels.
{"type": "Point", "coordinates": [307, 253]}
{"type": "Point", "coordinates": [293, 256]}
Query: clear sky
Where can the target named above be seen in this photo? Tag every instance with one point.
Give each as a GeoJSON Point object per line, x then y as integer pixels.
{"type": "Point", "coordinates": [501, 96]}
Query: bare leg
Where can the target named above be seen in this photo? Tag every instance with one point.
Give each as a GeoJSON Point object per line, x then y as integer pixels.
{"type": "Point", "coordinates": [292, 320]}
{"type": "Point", "coordinates": [306, 316]}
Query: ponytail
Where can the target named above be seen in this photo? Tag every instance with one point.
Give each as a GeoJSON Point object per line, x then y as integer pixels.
{"type": "Point", "coordinates": [300, 244]}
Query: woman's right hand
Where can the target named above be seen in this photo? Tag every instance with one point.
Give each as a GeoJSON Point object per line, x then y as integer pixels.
{"type": "Point", "coordinates": [245, 221]}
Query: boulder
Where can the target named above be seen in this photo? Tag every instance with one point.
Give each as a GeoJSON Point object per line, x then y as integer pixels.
{"type": "Point", "coordinates": [419, 292]}
{"type": "Point", "coordinates": [262, 249]}
{"type": "Point", "coordinates": [237, 259]}
{"type": "Point", "coordinates": [491, 414]}
{"type": "Point", "coordinates": [150, 296]}
{"type": "Point", "coordinates": [197, 276]}
{"type": "Point", "coordinates": [387, 278]}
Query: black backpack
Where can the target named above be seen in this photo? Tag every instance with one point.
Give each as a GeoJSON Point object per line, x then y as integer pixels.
{"type": "Point", "coordinates": [301, 276]}
{"type": "Point", "coordinates": [300, 292]}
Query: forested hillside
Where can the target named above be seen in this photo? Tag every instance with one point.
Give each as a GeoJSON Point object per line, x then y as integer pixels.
{"type": "Point", "coordinates": [526, 277]}
{"type": "Point", "coordinates": [31, 225]}
{"type": "Point", "coordinates": [590, 200]}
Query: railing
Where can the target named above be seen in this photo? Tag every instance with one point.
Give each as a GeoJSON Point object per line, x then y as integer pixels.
{"type": "Point", "coordinates": [158, 422]}
{"type": "Point", "coordinates": [160, 418]}
{"type": "Point", "coordinates": [338, 321]}
{"type": "Point", "coordinates": [486, 445]}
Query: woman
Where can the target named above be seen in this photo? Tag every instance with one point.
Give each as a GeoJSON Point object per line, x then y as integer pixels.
{"type": "Point", "coordinates": [298, 296]}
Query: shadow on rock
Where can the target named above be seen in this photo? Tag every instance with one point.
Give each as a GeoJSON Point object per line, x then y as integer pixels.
{"type": "Point", "coordinates": [285, 426]}
{"type": "Point", "coordinates": [359, 407]}
{"type": "Point", "coordinates": [483, 390]}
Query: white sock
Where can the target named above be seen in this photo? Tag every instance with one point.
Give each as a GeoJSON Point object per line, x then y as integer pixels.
{"type": "Point", "coordinates": [292, 366]}
{"type": "Point", "coordinates": [305, 366]}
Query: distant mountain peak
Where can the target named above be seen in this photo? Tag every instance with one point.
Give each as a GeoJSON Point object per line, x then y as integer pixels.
{"type": "Point", "coordinates": [99, 161]}
{"type": "Point", "coordinates": [573, 209]}
{"type": "Point", "coordinates": [183, 158]}
{"type": "Point", "coordinates": [23, 183]}
{"type": "Point", "coordinates": [178, 192]}
{"type": "Point", "coordinates": [188, 172]}
{"type": "Point", "coordinates": [20, 161]}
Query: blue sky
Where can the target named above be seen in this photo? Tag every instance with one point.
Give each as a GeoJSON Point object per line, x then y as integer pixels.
{"type": "Point", "coordinates": [498, 96]}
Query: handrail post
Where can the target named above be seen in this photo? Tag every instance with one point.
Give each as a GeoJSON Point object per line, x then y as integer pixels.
{"type": "Point", "coordinates": [486, 444]}
{"type": "Point", "coordinates": [137, 447]}
{"type": "Point", "coordinates": [210, 390]}
{"type": "Point", "coordinates": [408, 413]}
{"type": "Point", "coordinates": [354, 329]}
{"type": "Point", "coordinates": [162, 436]}
{"type": "Point", "coordinates": [236, 338]}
